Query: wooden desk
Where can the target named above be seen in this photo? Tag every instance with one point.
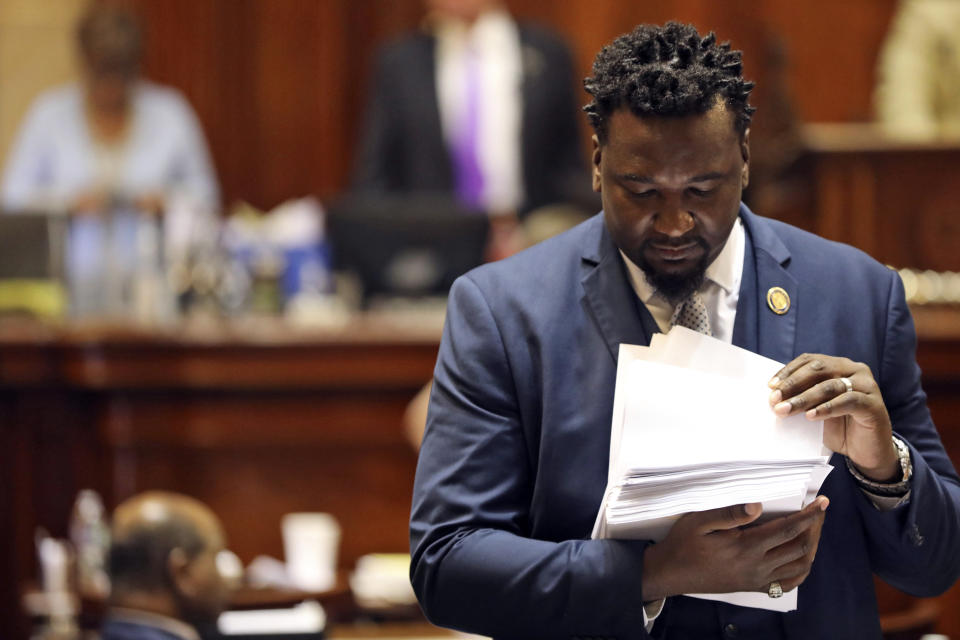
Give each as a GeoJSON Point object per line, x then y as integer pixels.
{"type": "Point", "coordinates": [256, 420]}
{"type": "Point", "coordinates": [896, 199]}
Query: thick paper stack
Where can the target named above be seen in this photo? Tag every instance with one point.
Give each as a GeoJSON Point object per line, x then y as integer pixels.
{"type": "Point", "coordinates": [693, 430]}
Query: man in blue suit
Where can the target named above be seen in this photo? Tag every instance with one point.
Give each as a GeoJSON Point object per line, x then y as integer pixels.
{"type": "Point", "coordinates": [513, 464]}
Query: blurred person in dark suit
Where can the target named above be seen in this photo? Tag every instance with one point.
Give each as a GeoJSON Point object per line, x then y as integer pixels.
{"type": "Point", "coordinates": [476, 106]}
{"type": "Point", "coordinates": [163, 569]}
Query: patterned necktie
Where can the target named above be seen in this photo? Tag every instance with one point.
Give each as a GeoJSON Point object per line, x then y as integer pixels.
{"type": "Point", "coordinates": [692, 314]}
{"type": "Point", "coordinates": [467, 172]}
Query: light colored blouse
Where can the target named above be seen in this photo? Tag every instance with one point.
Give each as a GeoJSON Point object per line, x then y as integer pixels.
{"type": "Point", "coordinates": [55, 158]}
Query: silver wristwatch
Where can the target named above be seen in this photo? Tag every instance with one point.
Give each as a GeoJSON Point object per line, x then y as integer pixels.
{"type": "Point", "coordinates": [898, 488]}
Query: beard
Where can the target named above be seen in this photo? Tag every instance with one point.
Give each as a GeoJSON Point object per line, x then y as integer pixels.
{"type": "Point", "coordinates": [675, 287]}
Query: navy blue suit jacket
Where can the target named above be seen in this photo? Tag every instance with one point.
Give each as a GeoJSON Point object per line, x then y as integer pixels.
{"type": "Point", "coordinates": [514, 460]}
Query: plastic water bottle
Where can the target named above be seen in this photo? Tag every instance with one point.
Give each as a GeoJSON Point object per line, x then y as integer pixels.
{"type": "Point", "coordinates": [91, 538]}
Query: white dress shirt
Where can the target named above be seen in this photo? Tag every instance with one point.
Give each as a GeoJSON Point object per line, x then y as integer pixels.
{"type": "Point", "coordinates": [495, 41]}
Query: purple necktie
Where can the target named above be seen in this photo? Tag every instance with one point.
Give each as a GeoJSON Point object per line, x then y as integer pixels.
{"type": "Point", "coordinates": [469, 177]}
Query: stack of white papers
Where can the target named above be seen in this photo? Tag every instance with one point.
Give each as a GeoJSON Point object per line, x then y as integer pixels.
{"type": "Point", "coordinates": [693, 430]}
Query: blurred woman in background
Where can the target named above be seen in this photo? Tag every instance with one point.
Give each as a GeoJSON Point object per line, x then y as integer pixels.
{"type": "Point", "coordinates": [111, 138]}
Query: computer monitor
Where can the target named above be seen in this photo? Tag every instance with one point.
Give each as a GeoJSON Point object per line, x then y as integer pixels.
{"type": "Point", "coordinates": [31, 246]}
{"type": "Point", "coordinates": [409, 246]}
{"type": "Point", "coordinates": [31, 264]}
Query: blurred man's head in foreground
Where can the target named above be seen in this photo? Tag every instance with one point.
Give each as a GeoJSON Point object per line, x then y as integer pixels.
{"type": "Point", "coordinates": [163, 558]}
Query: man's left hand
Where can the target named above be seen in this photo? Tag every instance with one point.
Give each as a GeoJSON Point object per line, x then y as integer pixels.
{"type": "Point", "coordinates": [845, 396]}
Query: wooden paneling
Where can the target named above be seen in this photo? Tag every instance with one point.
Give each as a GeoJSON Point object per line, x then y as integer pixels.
{"type": "Point", "coordinates": [890, 198]}
{"type": "Point", "coordinates": [16, 510]}
{"type": "Point", "coordinates": [280, 85]}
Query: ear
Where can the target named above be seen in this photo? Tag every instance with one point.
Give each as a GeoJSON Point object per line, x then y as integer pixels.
{"type": "Point", "coordinates": [597, 152]}
{"type": "Point", "coordinates": [745, 154]}
{"type": "Point", "coordinates": [178, 569]}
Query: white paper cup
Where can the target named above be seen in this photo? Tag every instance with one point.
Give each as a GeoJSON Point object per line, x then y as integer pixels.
{"type": "Point", "coordinates": [310, 544]}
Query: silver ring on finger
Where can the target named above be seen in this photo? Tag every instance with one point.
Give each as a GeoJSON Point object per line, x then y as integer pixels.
{"type": "Point", "coordinates": [775, 590]}
{"type": "Point", "coordinates": [847, 383]}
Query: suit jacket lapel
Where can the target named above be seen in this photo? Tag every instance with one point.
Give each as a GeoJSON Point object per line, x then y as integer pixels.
{"type": "Point", "coordinates": [757, 326]}
{"type": "Point", "coordinates": [608, 296]}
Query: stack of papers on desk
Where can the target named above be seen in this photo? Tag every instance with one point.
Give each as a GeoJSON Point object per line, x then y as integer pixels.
{"type": "Point", "coordinates": [693, 430]}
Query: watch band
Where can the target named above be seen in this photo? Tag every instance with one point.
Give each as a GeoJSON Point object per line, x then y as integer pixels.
{"type": "Point", "coordinates": [898, 488]}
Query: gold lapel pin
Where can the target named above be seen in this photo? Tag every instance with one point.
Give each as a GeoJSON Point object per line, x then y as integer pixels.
{"type": "Point", "coordinates": [778, 300]}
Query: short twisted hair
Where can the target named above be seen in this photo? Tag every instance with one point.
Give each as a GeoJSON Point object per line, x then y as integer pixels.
{"type": "Point", "coordinates": [667, 71]}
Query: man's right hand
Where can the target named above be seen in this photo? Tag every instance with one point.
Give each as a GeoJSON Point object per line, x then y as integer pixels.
{"type": "Point", "coordinates": [714, 552]}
